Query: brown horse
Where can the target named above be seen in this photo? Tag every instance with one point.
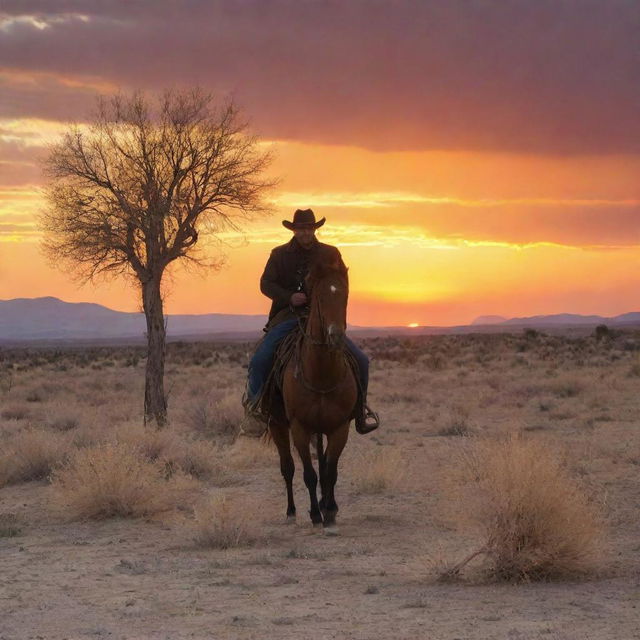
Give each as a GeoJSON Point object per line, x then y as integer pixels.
{"type": "Point", "coordinates": [319, 390]}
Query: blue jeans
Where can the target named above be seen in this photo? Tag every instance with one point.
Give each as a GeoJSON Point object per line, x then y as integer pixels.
{"type": "Point", "coordinates": [262, 359]}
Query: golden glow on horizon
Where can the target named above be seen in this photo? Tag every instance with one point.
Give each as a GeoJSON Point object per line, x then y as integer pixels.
{"type": "Point", "coordinates": [268, 233]}
{"type": "Point", "coordinates": [375, 199]}
{"type": "Point", "coordinates": [31, 132]}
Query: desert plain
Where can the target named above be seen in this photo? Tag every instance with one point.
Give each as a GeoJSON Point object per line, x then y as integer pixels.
{"type": "Point", "coordinates": [190, 540]}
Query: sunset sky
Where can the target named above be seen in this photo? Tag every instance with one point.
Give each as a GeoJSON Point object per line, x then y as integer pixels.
{"type": "Point", "coordinates": [471, 157]}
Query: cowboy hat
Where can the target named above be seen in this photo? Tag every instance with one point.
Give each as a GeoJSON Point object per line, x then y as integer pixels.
{"type": "Point", "coordinates": [303, 218]}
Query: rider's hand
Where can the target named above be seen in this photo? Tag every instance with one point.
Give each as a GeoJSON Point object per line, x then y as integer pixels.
{"type": "Point", "coordinates": [298, 299]}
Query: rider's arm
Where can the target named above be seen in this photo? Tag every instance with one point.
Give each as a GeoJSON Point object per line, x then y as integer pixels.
{"type": "Point", "coordinates": [270, 285]}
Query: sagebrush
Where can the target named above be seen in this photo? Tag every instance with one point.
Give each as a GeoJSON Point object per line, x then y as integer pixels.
{"type": "Point", "coordinates": [532, 518]}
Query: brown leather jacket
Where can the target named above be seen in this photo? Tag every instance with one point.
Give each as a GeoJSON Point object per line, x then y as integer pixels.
{"type": "Point", "coordinates": [284, 274]}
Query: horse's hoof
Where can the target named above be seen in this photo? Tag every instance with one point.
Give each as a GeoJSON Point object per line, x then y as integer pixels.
{"type": "Point", "coordinates": [290, 519]}
{"type": "Point", "coordinates": [331, 530]}
{"type": "Point", "coordinates": [317, 525]}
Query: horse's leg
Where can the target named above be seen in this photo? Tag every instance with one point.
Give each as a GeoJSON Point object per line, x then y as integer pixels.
{"type": "Point", "coordinates": [280, 435]}
{"type": "Point", "coordinates": [322, 469]}
{"type": "Point", "coordinates": [335, 444]}
{"type": "Point", "coordinates": [301, 440]}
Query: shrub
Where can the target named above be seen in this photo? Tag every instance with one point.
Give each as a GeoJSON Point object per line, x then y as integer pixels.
{"type": "Point", "coordinates": [9, 525]}
{"type": "Point", "coordinates": [567, 388]}
{"type": "Point", "coordinates": [634, 371]}
{"type": "Point", "coordinates": [197, 458]}
{"type": "Point", "coordinates": [151, 443]}
{"type": "Point", "coordinates": [63, 422]}
{"type": "Point", "coordinates": [534, 519]}
{"type": "Point", "coordinates": [223, 522]}
{"type": "Point", "coordinates": [249, 453]}
{"type": "Point", "coordinates": [457, 423]}
{"type": "Point", "coordinates": [15, 412]}
{"type": "Point", "coordinates": [219, 419]}
{"type": "Point", "coordinates": [377, 470]}
{"type": "Point", "coordinates": [200, 459]}
{"type": "Point", "coordinates": [31, 455]}
{"type": "Point", "coordinates": [6, 381]}
{"type": "Point", "coordinates": [115, 480]}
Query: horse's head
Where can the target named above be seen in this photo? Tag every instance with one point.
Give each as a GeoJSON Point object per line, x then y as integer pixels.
{"type": "Point", "coordinates": [328, 287]}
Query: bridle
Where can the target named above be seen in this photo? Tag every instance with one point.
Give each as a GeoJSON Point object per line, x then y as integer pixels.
{"type": "Point", "coordinates": [324, 342]}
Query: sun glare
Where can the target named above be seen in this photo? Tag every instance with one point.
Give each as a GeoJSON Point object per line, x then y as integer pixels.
{"type": "Point", "coordinates": [413, 325]}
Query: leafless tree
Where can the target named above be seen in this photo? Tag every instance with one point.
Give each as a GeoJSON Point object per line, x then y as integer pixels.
{"type": "Point", "coordinates": [130, 193]}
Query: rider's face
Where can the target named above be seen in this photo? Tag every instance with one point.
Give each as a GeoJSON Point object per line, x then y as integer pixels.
{"type": "Point", "coordinates": [305, 236]}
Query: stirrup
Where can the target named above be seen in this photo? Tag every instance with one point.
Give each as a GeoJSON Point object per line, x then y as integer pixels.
{"type": "Point", "coordinates": [253, 424]}
{"type": "Point", "coordinates": [251, 407]}
{"type": "Point", "coordinates": [367, 421]}
{"type": "Point", "coordinates": [252, 412]}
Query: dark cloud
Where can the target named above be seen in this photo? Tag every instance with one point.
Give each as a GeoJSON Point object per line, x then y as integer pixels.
{"type": "Point", "coordinates": [551, 76]}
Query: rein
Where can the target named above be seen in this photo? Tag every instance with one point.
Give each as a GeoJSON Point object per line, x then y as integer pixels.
{"type": "Point", "coordinates": [299, 370]}
{"type": "Point", "coordinates": [314, 341]}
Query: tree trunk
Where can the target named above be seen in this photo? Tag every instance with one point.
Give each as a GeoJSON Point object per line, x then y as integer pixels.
{"type": "Point", "coordinates": [155, 402]}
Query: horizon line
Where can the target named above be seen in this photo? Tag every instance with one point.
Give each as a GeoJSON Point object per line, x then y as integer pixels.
{"type": "Point", "coordinates": [411, 325]}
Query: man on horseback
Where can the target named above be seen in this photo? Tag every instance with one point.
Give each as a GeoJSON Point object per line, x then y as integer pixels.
{"type": "Point", "coordinates": [283, 281]}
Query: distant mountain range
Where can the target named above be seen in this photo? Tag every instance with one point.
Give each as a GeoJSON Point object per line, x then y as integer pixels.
{"type": "Point", "coordinates": [569, 319]}
{"type": "Point", "coordinates": [50, 319]}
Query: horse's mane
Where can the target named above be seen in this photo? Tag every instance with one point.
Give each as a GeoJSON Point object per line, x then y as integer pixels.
{"type": "Point", "coordinates": [327, 261]}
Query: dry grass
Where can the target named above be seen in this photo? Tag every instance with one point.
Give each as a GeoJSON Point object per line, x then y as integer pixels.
{"type": "Point", "coordinates": [533, 518]}
{"type": "Point", "coordinates": [153, 444]}
{"type": "Point", "coordinates": [205, 461]}
{"type": "Point", "coordinates": [31, 455]}
{"type": "Point", "coordinates": [60, 417]}
{"type": "Point", "coordinates": [376, 470]}
{"type": "Point", "coordinates": [15, 411]}
{"type": "Point", "coordinates": [116, 480]}
{"type": "Point", "coordinates": [177, 451]}
{"type": "Point", "coordinates": [223, 522]}
{"type": "Point", "coordinates": [568, 386]}
{"type": "Point", "coordinates": [248, 453]}
{"type": "Point", "coordinates": [218, 419]}
{"type": "Point", "coordinates": [456, 423]}
{"type": "Point", "coordinates": [492, 384]}
{"type": "Point", "coordinates": [9, 526]}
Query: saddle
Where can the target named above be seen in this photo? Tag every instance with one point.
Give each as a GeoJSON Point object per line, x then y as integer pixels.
{"type": "Point", "coordinates": [270, 404]}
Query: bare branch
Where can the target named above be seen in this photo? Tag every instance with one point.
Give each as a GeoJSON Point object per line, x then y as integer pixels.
{"type": "Point", "coordinates": [140, 186]}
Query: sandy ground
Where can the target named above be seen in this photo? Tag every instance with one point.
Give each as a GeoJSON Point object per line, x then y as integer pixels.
{"type": "Point", "coordinates": [135, 579]}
